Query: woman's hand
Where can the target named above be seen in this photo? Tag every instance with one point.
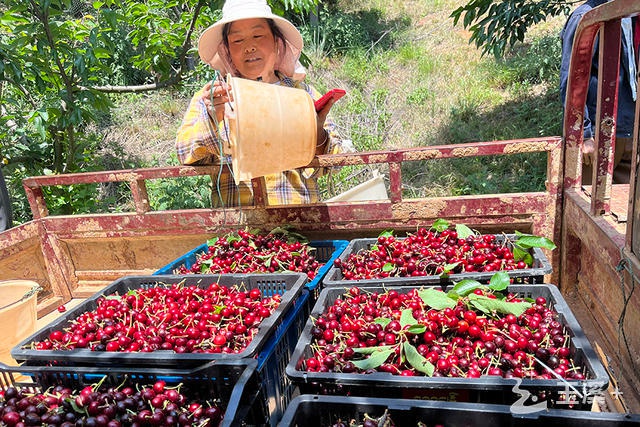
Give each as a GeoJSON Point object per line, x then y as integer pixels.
{"type": "Point", "coordinates": [588, 149]}
{"type": "Point", "coordinates": [323, 134]}
{"type": "Point", "coordinates": [215, 100]}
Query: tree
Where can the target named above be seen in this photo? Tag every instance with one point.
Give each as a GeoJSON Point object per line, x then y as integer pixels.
{"type": "Point", "coordinates": [60, 60]}
{"type": "Point", "coordinates": [497, 25]}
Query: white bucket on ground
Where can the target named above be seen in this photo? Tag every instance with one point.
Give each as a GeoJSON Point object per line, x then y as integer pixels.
{"type": "Point", "coordinates": [272, 128]}
{"type": "Point", "coordinates": [373, 189]}
{"type": "Point", "coordinates": [18, 314]}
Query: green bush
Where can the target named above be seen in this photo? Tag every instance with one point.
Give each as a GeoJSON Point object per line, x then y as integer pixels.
{"type": "Point", "coordinates": [339, 32]}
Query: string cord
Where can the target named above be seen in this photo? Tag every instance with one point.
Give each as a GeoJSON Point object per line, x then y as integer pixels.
{"type": "Point", "coordinates": [219, 139]}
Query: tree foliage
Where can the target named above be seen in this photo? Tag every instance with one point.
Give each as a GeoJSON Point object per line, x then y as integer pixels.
{"type": "Point", "coordinates": [497, 25]}
{"type": "Point", "coordinates": [61, 59]}
{"type": "Point", "coordinates": [63, 62]}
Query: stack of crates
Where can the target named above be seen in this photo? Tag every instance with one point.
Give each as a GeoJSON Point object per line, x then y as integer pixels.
{"type": "Point", "coordinates": [273, 359]}
{"type": "Point", "coordinates": [270, 348]}
{"type": "Point", "coordinates": [486, 389]}
{"type": "Point", "coordinates": [328, 398]}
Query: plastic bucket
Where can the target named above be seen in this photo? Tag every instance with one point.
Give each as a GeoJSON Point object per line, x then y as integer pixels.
{"type": "Point", "coordinates": [272, 128]}
{"type": "Point", "coordinates": [18, 314]}
{"type": "Point", "coordinates": [373, 189]}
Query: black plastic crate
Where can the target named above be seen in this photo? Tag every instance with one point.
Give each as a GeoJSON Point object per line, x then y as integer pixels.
{"type": "Point", "coordinates": [289, 285]}
{"type": "Point", "coordinates": [326, 411]}
{"type": "Point", "coordinates": [533, 274]}
{"type": "Point", "coordinates": [326, 252]}
{"type": "Point", "coordinates": [486, 389]}
{"type": "Point", "coordinates": [232, 385]}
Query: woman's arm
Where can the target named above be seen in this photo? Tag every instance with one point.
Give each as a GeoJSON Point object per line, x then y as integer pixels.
{"type": "Point", "coordinates": [197, 139]}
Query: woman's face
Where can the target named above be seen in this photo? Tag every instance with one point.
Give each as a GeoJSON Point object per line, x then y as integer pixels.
{"type": "Point", "coordinates": [252, 48]}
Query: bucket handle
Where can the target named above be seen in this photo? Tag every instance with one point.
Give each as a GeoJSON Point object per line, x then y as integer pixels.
{"type": "Point", "coordinates": [34, 290]}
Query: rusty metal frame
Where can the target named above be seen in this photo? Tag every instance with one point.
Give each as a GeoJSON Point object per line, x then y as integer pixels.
{"type": "Point", "coordinates": [528, 212]}
{"type": "Point", "coordinates": [603, 21]}
{"type": "Point", "coordinates": [393, 159]}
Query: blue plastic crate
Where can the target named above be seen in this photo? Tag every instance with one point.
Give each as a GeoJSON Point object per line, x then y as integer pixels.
{"type": "Point", "coordinates": [233, 385]}
{"type": "Point", "coordinates": [273, 360]}
{"type": "Point", "coordinates": [326, 252]}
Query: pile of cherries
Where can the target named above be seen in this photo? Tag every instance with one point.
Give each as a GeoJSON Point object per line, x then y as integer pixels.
{"type": "Point", "coordinates": [426, 253]}
{"type": "Point", "coordinates": [152, 405]}
{"type": "Point", "coordinates": [458, 341]}
{"type": "Point", "coordinates": [180, 318]}
{"type": "Point", "coordinates": [245, 252]}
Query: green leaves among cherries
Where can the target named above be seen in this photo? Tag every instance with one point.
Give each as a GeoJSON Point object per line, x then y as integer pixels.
{"type": "Point", "coordinates": [469, 331]}
{"type": "Point", "coordinates": [440, 250]}
{"type": "Point", "coordinates": [378, 355]}
{"type": "Point", "coordinates": [525, 242]}
{"type": "Point", "coordinates": [436, 299]}
{"type": "Point", "coordinates": [492, 305]}
{"type": "Point", "coordinates": [439, 300]}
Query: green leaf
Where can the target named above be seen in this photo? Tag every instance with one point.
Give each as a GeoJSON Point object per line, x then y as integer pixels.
{"type": "Point", "coordinates": [464, 231]}
{"type": "Point", "coordinates": [499, 281]}
{"type": "Point", "coordinates": [529, 241]}
{"type": "Point", "coordinates": [232, 237]}
{"type": "Point", "coordinates": [376, 359]}
{"type": "Point", "coordinates": [436, 299]}
{"type": "Point", "coordinates": [213, 241]}
{"type": "Point", "coordinates": [480, 307]}
{"type": "Point", "coordinates": [440, 225]}
{"type": "Point", "coordinates": [383, 321]}
{"type": "Point", "coordinates": [465, 287]}
{"type": "Point", "coordinates": [386, 233]}
{"type": "Point", "coordinates": [416, 329]}
{"type": "Point", "coordinates": [388, 267]}
{"type": "Point", "coordinates": [487, 304]}
{"type": "Point", "coordinates": [446, 269]}
{"type": "Point", "coordinates": [522, 255]}
{"type": "Point", "coordinates": [76, 408]}
{"type": "Point", "coordinates": [406, 318]}
{"type": "Point", "coordinates": [416, 360]}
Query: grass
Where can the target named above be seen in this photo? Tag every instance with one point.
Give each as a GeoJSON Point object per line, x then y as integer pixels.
{"type": "Point", "coordinates": [413, 81]}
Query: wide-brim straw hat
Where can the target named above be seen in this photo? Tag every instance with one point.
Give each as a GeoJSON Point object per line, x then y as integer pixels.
{"type": "Point", "coordinates": [213, 51]}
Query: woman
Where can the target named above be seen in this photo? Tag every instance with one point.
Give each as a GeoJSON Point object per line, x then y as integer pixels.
{"type": "Point", "coordinates": [253, 43]}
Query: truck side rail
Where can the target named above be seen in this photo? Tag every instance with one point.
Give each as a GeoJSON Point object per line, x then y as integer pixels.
{"type": "Point", "coordinates": [78, 254]}
{"type": "Point", "coordinates": [393, 158]}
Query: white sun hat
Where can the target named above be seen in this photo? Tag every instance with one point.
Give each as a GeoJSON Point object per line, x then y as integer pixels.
{"type": "Point", "coordinates": [213, 51]}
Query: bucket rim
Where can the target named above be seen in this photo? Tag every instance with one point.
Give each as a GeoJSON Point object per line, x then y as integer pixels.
{"type": "Point", "coordinates": [35, 288]}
